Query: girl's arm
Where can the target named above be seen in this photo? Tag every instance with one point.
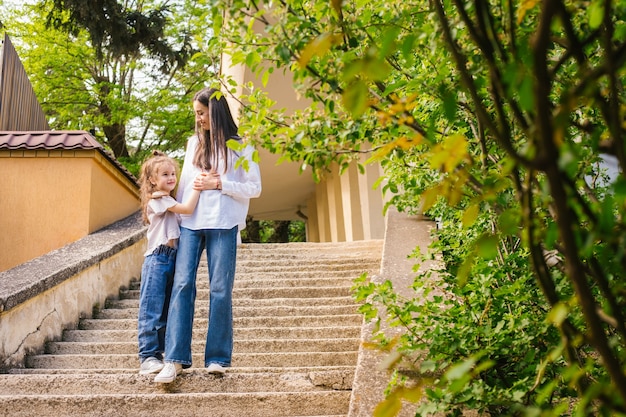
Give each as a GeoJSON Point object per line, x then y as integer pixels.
{"type": "Point", "coordinates": [188, 206]}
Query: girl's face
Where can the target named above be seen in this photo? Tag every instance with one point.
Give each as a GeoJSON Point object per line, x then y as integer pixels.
{"type": "Point", "coordinates": [165, 178]}
{"type": "Point", "coordinates": [202, 115]}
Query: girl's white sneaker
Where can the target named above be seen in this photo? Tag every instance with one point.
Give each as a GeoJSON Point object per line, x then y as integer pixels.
{"type": "Point", "coordinates": [169, 372]}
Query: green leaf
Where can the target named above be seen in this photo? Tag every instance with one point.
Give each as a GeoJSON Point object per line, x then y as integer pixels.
{"type": "Point", "coordinates": [509, 222]}
{"type": "Point", "coordinates": [607, 215]}
{"type": "Point", "coordinates": [377, 70]}
{"type": "Point", "coordinates": [460, 370]}
{"type": "Point", "coordinates": [471, 214]}
{"type": "Point", "coordinates": [317, 47]}
{"type": "Point", "coordinates": [558, 314]}
{"type": "Point", "coordinates": [355, 98]}
{"type": "Point", "coordinates": [265, 78]}
{"type": "Point", "coordinates": [389, 407]}
{"type": "Point", "coordinates": [449, 103]}
{"type": "Point", "coordinates": [218, 22]}
{"type": "Point", "coordinates": [407, 47]}
{"type": "Point", "coordinates": [526, 94]}
{"type": "Point", "coordinates": [595, 12]}
{"type": "Point", "coordinates": [388, 40]}
{"type": "Point", "coordinates": [487, 246]}
{"type": "Point", "coordinates": [465, 268]}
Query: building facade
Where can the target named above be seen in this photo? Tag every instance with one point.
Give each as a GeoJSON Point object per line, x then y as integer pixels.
{"type": "Point", "coordinates": [339, 208]}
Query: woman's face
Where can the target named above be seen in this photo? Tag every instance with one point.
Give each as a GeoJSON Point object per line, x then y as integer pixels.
{"type": "Point", "coordinates": [202, 115]}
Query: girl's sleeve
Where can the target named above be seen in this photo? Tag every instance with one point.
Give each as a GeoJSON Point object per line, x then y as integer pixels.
{"type": "Point", "coordinates": [161, 204]}
{"type": "Point", "coordinates": [245, 183]}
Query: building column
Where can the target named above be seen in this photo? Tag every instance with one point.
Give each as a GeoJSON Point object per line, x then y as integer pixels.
{"type": "Point", "coordinates": [352, 203]}
{"type": "Point", "coordinates": [312, 221]}
{"type": "Point", "coordinates": [371, 202]}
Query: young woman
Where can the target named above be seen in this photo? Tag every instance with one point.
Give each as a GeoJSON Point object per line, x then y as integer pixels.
{"type": "Point", "coordinates": [159, 209]}
{"type": "Point", "coordinates": [213, 227]}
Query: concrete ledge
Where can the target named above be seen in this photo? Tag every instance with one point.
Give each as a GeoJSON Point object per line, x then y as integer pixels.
{"type": "Point", "coordinates": [39, 298]}
{"type": "Point", "coordinates": [402, 235]}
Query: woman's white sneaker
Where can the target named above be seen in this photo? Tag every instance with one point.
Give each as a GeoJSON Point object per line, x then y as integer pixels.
{"type": "Point", "coordinates": [151, 365]}
{"type": "Point", "coordinates": [169, 372]}
{"type": "Point", "coordinates": [217, 369]}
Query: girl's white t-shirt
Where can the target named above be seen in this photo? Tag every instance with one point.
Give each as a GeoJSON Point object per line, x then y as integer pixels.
{"type": "Point", "coordinates": [225, 208]}
{"type": "Point", "coordinates": [164, 224]}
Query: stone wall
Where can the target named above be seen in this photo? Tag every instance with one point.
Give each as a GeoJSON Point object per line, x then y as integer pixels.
{"type": "Point", "coordinates": [40, 298]}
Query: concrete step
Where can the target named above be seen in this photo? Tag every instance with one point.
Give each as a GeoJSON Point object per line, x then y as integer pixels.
{"type": "Point", "coordinates": [240, 346]}
{"type": "Point", "coordinates": [192, 380]}
{"type": "Point", "coordinates": [262, 404]}
{"type": "Point", "coordinates": [309, 263]}
{"type": "Point", "coordinates": [199, 335]}
{"type": "Point", "coordinates": [298, 248]}
{"type": "Point", "coordinates": [277, 281]}
{"type": "Point", "coordinates": [203, 311]}
{"type": "Point", "coordinates": [340, 267]}
{"type": "Point", "coordinates": [280, 292]}
{"type": "Point", "coordinates": [239, 322]}
{"type": "Point", "coordinates": [251, 302]}
{"type": "Point", "coordinates": [311, 370]}
{"type": "Point", "coordinates": [258, 360]}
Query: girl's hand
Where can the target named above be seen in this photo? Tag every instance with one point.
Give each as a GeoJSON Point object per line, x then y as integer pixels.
{"type": "Point", "coordinates": [159, 194]}
{"type": "Point", "coordinates": [208, 181]}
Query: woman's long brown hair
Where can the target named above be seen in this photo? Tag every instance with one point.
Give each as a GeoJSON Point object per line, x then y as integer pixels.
{"type": "Point", "coordinates": [212, 143]}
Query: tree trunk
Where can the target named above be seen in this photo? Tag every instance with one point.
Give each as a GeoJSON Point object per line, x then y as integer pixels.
{"type": "Point", "coordinates": [116, 138]}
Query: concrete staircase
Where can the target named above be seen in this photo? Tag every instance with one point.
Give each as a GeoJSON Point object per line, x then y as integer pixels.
{"type": "Point", "coordinates": [297, 335]}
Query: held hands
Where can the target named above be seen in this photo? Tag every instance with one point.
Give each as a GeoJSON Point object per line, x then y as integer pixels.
{"type": "Point", "coordinates": [207, 181]}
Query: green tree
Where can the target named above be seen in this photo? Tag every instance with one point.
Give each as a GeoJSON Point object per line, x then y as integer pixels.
{"type": "Point", "coordinates": [133, 97]}
{"type": "Point", "coordinates": [495, 117]}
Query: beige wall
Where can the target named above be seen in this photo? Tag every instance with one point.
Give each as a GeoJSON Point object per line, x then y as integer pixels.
{"type": "Point", "coordinates": [113, 196]}
{"type": "Point", "coordinates": [51, 198]}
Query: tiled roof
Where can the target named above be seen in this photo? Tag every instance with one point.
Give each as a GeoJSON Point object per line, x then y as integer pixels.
{"type": "Point", "coordinates": [59, 139]}
{"type": "Point", "coordinates": [63, 139]}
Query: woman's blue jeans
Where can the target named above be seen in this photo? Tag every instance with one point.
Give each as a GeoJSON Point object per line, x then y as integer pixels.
{"type": "Point", "coordinates": [157, 274]}
{"type": "Point", "coordinates": [221, 250]}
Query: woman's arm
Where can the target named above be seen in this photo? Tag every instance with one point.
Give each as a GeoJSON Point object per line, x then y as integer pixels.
{"type": "Point", "coordinates": [240, 183]}
{"type": "Point", "coordinates": [245, 183]}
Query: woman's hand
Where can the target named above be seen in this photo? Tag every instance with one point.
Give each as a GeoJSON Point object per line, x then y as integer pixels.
{"type": "Point", "coordinates": [208, 181]}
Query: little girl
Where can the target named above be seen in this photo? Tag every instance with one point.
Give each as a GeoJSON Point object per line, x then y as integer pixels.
{"type": "Point", "coordinates": [159, 209]}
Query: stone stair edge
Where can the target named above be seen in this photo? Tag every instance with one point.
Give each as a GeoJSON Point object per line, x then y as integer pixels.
{"type": "Point", "coordinates": [192, 370]}
{"type": "Point", "coordinates": [25, 384]}
{"type": "Point", "coordinates": [264, 404]}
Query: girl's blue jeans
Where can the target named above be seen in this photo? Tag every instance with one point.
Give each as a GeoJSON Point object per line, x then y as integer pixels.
{"type": "Point", "coordinates": [221, 250]}
{"type": "Point", "coordinates": [157, 275]}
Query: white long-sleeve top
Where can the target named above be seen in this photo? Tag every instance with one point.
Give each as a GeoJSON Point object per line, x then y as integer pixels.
{"type": "Point", "coordinates": [225, 208]}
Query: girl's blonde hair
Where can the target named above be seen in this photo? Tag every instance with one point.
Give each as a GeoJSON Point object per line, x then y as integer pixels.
{"type": "Point", "coordinates": [149, 169]}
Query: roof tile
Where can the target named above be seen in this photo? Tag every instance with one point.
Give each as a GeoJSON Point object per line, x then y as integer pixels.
{"type": "Point", "coordinates": [62, 139]}
{"type": "Point", "coordinates": [59, 139]}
